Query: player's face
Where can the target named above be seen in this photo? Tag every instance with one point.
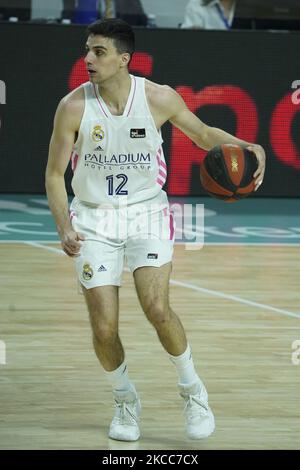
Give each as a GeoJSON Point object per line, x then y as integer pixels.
{"type": "Point", "coordinates": [102, 58]}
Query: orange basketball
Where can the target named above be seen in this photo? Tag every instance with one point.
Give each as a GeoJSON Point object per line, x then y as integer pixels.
{"type": "Point", "coordinates": [227, 172]}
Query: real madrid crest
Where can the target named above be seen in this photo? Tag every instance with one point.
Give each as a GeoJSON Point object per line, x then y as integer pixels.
{"type": "Point", "coordinates": [97, 134]}
{"type": "Point", "coordinates": [87, 272]}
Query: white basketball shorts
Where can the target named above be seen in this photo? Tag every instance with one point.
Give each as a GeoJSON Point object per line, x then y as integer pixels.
{"type": "Point", "coordinates": [143, 234]}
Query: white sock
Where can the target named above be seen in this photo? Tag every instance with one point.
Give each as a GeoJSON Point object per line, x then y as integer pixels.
{"type": "Point", "coordinates": [185, 367]}
{"type": "Point", "coordinates": [119, 379]}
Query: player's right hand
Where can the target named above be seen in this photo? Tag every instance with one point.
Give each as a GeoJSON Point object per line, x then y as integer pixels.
{"type": "Point", "coordinates": [70, 243]}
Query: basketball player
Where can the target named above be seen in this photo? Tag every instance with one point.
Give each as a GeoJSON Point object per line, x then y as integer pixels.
{"type": "Point", "coordinates": [111, 126]}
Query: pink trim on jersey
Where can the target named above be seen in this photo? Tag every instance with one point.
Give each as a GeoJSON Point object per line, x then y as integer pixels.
{"type": "Point", "coordinates": [99, 101]}
{"type": "Point", "coordinates": [171, 222]}
{"type": "Point", "coordinates": [162, 169]}
{"type": "Point", "coordinates": [74, 160]}
{"type": "Point", "coordinates": [132, 96]}
{"type": "Point", "coordinates": [72, 215]}
{"type": "Point", "coordinates": [171, 226]}
{"type": "Point", "coordinates": [161, 163]}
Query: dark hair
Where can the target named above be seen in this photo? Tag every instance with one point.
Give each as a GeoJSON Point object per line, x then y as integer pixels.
{"type": "Point", "coordinates": [116, 29]}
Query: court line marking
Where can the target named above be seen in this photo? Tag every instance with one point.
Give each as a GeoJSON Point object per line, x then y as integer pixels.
{"type": "Point", "coordinates": [55, 242]}
{"type": "Point", "coordinates": [236, 299]}
{"type": "Point", "coordinates": [49, 248]}
{"type": "Point", "coordinates": [196, 288]}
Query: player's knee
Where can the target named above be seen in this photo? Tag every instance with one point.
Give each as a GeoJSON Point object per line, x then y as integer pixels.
{"type": "Point", "coordinates": [158, 313]}
{"type": "Point", "coordinates": [104, 334]}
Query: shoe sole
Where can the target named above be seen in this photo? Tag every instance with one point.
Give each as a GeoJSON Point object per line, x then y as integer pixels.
{"type": "Point", "coordinates": [201, 436]}
{"type": "Point", "coordinates": [123, 439]}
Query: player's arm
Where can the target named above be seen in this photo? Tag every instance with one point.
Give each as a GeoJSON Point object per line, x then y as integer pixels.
{"type": "Point", "coordinates": [66, 123]}
{"type": "Point", "coordinates": [205, 136]}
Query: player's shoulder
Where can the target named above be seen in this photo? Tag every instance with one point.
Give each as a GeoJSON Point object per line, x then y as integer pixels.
{"type": "Point", "coordinates": [70, 109]}
{"type": "Point", "coordinates": [73, 102]}
{"type": "Point", "coordinates": [160, 95]}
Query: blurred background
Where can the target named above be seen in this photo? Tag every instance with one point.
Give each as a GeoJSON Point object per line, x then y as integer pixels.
{"type": "Point", "coordinates": [234, 63]}
{"type": "Point", "coordinates": [250, 14]}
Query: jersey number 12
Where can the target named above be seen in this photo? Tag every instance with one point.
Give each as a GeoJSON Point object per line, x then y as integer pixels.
{"type": "Point", "coordinates": [118, 191]}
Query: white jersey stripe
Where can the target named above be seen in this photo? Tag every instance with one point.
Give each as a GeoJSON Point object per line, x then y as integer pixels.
{"type": "Point", "coordinates": [132, 97]}
{"type": "Point", "coordinates": [102, 109]}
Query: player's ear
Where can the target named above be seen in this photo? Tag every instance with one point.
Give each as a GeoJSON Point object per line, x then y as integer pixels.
{"type": "Point", "coordinates": [125, 59]}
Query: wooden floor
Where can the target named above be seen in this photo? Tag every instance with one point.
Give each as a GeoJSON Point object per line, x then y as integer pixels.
{"type": "Point", "coordinates": [54, 396]}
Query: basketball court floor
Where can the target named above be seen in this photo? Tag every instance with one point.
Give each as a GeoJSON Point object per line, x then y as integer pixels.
{"type": "Point", "coordinates": [238, 298]}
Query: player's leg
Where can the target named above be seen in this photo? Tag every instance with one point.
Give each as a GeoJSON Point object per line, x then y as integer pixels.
{"type": "Point", "coordinates": [149, 258]}
{"type": "Point", "coordinates": [99, 267]}
{"type": "Point", "coordinates": [152, 286]}
{"type": "Point", "coordinates": [149, 251]}
{"type": "Point", "coordinates": [103, 307]}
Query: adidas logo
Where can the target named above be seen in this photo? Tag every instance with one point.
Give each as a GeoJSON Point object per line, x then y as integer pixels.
{"type": "Point", "coordinates": [102, 268]}
{"type": "Point", "coordinates": [98, 149]}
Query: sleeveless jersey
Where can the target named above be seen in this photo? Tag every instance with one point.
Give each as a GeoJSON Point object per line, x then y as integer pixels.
{"type": "Point", "coordinates": [118, 159]}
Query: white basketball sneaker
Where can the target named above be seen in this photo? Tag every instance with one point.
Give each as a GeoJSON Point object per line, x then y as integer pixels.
{"type": "Point", "coordinates": [200, 422]}
{"type": "Point", "coordinates": [125, 424]}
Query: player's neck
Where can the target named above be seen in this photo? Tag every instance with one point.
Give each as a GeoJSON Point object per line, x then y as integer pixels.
{"type": "Point", "coordinates": [115, 92]}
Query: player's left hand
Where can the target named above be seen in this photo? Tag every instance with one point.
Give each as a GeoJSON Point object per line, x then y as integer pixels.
{"type": "Point", "coordinates": [261, 158]}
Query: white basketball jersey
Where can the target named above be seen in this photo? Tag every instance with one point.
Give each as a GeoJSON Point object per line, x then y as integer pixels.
{"type": "Point", "coordinates": [118, 159]}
